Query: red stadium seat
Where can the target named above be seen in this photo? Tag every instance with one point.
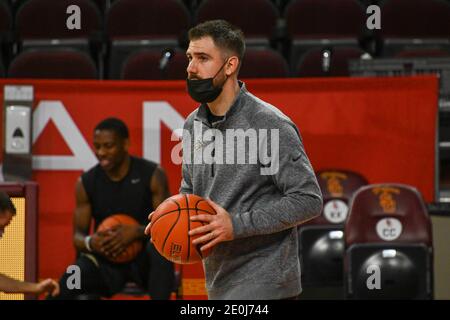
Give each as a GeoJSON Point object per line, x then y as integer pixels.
{"type": "Point", "coordinates": [150, 64]}
{"type": "Point", "coordinates": [320, 62]}
{"type": "Point", "coordinates": [42, 24]}
{"type": "Point", "coordinates": [416, 19]}
{"type": "Point", "coordinates": [46, 19]}
{"type": "Point", "coordinates": [315, 23]}
{"type": "Point", "coordinates": [149, 19]}
{"type": "Point", "coordinates": [133, 25]}
{"type": "Point", "coordinates": [323, 19]}
{"type": "Point", "coordinates": [5, 19]}
{"type": "Point", "coordinates": [52, 64]}
{"type": "Point", "coordinates": [321, 241]}
{"type": "Point", "coordinates": [410, 24]}
{"type": "Point", "coordinates": [256, 18]}
{"type": "Point", "coordinates": [263, 63]}
{"type": "Point", "coordinates": [388, 228]}
{"type": "Point", "coordinates": [337, 186]}
{"type": "Point", "coordinates": [5, 33]}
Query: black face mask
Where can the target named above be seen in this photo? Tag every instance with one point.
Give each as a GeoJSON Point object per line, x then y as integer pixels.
{"type": "Point", "coordinates": [203, 90]}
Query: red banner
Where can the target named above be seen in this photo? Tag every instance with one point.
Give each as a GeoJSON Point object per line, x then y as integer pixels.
{"type": "Point", "coordinates": [383, 128]}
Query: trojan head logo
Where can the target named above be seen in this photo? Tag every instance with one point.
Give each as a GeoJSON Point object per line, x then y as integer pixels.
{"type": "Point", "coordinates": [334, 182]}
{"type": "Point", "coordinates": [386, 199]}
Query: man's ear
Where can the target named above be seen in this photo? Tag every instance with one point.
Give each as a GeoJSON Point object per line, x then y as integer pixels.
{"type": "Point", "coordinates": [232, 65]}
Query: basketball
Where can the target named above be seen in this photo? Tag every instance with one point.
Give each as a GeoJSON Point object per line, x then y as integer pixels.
{"type": "Point", "coordinates": [134, 248]}
{"type": "Point", "coordinates": [170, 224]}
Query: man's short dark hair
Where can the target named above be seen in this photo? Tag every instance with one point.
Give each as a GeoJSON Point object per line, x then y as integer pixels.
{"type": "Point", "coordinates": [115, 125]}
{"type": "Point", "coordinates": [225, 35]}
{"type": "Point", "coordinates": [6, 204]}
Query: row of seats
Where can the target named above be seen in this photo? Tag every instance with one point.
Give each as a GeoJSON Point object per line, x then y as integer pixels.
{"type": "Point", "coordinates": [170, 18]}
{"type": "Point", "coordinates": [151, 64]}
{"type": "Point", "coordinates": [133, 26]}
{"type": "Point", "coordinates": [372, 241]}
{"type": "Point", "coordinates": [364, 227]}
{"type": "Point", "coordinates": [197, 8]}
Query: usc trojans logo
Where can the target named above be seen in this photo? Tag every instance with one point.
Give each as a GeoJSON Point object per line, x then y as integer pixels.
{"type": "Point", "coordinates": [386, 199]}
{"type": "Point", "coordinates": [334, 184]}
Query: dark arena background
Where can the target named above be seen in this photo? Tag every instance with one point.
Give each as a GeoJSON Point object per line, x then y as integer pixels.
{"type": "Point", "coordinates": [367, 83]}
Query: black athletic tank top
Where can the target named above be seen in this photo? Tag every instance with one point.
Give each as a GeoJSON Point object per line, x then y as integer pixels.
{"type": "Point", "coordinates": [131, 195]}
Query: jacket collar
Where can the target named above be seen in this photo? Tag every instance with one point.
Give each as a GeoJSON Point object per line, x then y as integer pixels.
{"type": "Point", "coordinates": [202, 112]}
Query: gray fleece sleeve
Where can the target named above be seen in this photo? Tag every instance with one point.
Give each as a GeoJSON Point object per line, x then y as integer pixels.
{"type": "Point", "coordinates": [186, 180]}
{"type": "Point", "coordinates": [301, 196]}
{"type": "Point", "coordinates": [186, 183]}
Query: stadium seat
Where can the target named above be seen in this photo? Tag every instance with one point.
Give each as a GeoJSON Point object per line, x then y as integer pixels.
{"type": "Point", "coordinates": [52, 64]}
{"type": "Point", "coordinates": [46, 20]}
{"type": "Point", "coordinates": [263, 63]}
{"type": "Point", "coordinates": [134, 24]}
{"type": "Point", "coordinates": [318, 23]}
{"type": "Point", "coordinates": [150, 19]}
{"type": "Point", "coordinates": [411, 24]}
{"type": "Point", "coordinates": [153, 64]}
{"type": "Point", "coordinates": [5, 19]}
{"type": "Point", "coordinates": [388, 243]}
{"type": "Point", "coordinates": [327, 61]}
{"type": "Point", "coordinates": [5, 32]}
{"type": "Point", "coordinates": [321, 241]}
{"type": "Point", "coordinates": [256, 18]}
{"type": "Point", "coordinates": [43, 24]}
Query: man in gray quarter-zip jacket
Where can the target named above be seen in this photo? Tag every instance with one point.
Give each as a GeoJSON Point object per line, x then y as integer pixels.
{"type": "Point", "coordinates": [247, 157]}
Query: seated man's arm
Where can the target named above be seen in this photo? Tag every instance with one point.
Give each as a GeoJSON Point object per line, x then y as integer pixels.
{"type": "Point", "coordinates": [160, 189]}
{"type": "Point", "coordinates": [82, 220]}
{"type": "Point", "coordinates": [9, 285]}
{"type": "Point", "coordinates": [160, 192]}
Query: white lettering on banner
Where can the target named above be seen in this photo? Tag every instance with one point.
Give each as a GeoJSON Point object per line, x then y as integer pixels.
{"type": "Point", "coordinates": [83, 158]}
{"type": "Point", "coordinates": [153, 113]}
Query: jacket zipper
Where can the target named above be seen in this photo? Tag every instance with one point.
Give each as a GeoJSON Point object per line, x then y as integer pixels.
{"type": "Point", "coordinates": [214, 150]}
{"type": "Point", "coordinates": [213, 155]}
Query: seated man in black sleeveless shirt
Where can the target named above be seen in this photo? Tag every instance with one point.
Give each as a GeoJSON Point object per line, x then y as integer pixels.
{"type": "Point", "coordinates": [118, 184]}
